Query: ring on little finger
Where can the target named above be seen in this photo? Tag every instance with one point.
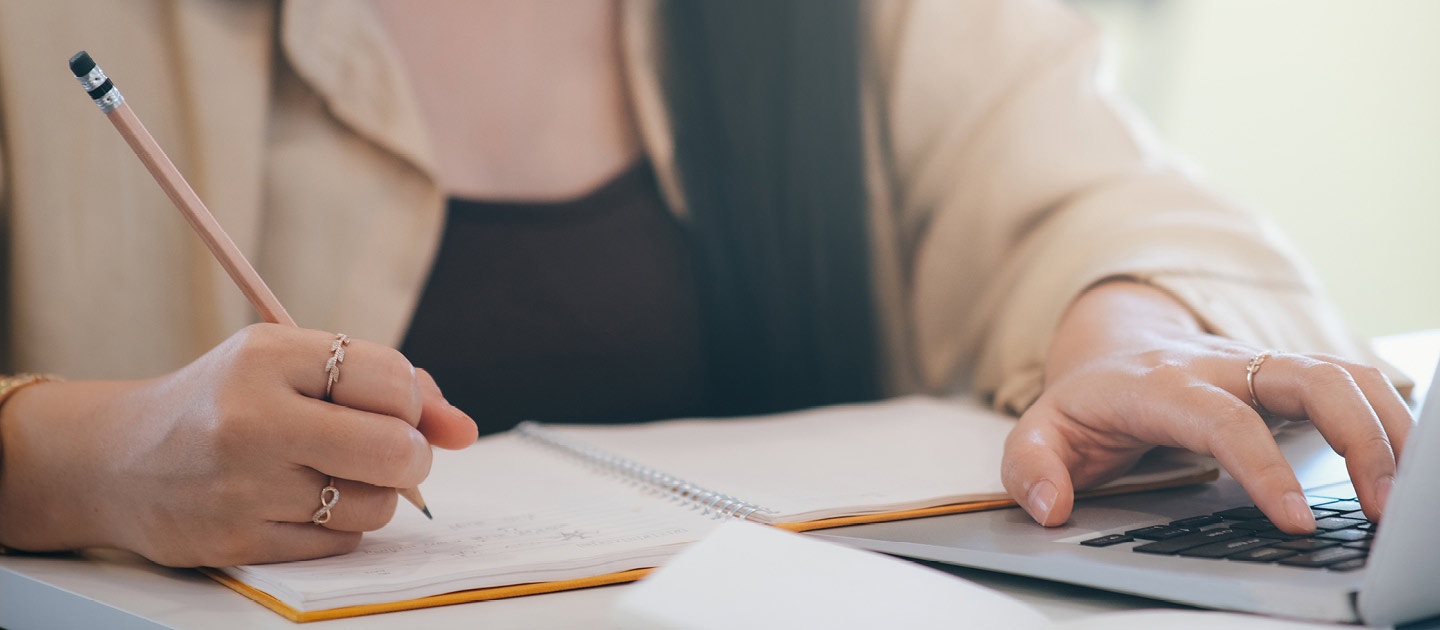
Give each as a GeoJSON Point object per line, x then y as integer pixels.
{"type": "Point", "coordinates": [329, 496]}
{"type": "Point", "coordinates": [1251, 369]}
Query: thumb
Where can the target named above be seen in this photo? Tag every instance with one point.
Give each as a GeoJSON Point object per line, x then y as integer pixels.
{"type": "Point", "coordinates": [443, 424]}
{"type": "Point", "coordinates": [1034, 473]}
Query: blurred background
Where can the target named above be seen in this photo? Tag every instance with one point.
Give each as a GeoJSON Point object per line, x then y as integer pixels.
{"type": "Point", "coordinates": [1324, 114]}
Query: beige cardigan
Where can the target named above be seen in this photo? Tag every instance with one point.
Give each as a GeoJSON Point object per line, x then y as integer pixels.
{"type": "Point", "coordinates": [1004, 179]}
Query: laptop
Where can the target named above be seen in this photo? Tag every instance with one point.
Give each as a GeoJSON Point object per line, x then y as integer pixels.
{"type": "Point", "coordinates": [1208, 546]}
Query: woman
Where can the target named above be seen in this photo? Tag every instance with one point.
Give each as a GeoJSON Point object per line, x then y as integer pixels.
{"type": "Point", "coordinates": [847, 201]}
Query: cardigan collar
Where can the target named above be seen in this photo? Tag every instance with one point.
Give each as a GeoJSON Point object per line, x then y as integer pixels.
{"type": "Point", "coordinates": [340, 49]}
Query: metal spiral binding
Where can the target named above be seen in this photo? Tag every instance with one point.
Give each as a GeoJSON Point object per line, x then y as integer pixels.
{"type": "Point", "coordinates": [716, 505]}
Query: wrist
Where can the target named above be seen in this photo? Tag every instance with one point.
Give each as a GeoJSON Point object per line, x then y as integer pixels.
{"type": "Point", "coordinates": [1115, 317]}
{"type": "Point", "coordinates": [9, 386]}
{"type": "Point", "coordinates": [52, 435]}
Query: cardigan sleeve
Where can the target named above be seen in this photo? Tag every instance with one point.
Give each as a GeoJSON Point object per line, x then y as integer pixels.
{"type": "Point", "coordinates": [1022, 180]}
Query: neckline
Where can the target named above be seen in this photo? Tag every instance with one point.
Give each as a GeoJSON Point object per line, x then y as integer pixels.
{"type": "Point", "coordinates": [634, 175]}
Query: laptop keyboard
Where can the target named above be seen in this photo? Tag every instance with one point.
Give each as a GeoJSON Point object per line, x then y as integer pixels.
{"type": "Point", "coordinates": [1341, 541]}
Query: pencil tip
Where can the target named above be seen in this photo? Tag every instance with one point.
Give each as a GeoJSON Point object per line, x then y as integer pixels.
{"type": "Point", "coordinates": [426, 510]}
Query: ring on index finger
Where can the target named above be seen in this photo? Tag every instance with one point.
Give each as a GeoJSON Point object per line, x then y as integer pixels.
{"type": "Point", "coordinates": [1251, 369]}
{"type": "Point", "coordinates": [332, 366]}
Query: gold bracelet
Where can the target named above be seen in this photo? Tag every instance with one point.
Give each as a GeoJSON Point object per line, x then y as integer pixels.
{"type": "Point", "coordinates": [11, 384]}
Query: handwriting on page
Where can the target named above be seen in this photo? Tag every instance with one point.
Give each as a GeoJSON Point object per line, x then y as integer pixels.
{"type": "Point", "coordinates": [507, 544]}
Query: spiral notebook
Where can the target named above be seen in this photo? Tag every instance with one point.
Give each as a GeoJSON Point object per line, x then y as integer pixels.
{"type": "Point", "coordinates": [554, 507]}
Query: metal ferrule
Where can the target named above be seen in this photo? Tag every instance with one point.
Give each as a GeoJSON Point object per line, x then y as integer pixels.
{"type": "Point", "coordinates": [93, 80]}
{"type": "Point", "coordinates": [110, 100]}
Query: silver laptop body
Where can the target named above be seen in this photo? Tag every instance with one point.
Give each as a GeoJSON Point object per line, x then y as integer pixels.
{"type": "Point", "coordinates": [1400, 582]}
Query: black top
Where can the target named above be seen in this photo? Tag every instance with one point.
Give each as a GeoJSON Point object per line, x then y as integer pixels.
{"type": "Point", "coordinates": [581, 311]}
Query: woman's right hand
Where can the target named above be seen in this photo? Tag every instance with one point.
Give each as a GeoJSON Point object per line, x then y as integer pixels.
{"type": "Point", "coordinates": [223, 461]}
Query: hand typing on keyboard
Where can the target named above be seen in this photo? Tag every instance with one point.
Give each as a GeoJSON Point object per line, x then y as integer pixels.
{"type": "Point", "coordinates": [1130, 369]}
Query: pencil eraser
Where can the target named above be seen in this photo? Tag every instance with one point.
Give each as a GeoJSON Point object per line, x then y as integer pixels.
{"type": "Point", "coordinates": [81, 64]}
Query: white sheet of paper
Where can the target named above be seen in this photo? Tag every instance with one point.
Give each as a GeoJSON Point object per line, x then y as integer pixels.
{"type": "Point", "coordinates": [753, 576]}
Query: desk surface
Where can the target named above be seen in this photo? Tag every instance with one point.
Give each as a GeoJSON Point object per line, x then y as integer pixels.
{"type": "Point", "coordinates": [117, 590]}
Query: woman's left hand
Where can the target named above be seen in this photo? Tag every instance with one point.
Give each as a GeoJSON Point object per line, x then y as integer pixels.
{"type": "Point", "coordinates": [1131, 369]}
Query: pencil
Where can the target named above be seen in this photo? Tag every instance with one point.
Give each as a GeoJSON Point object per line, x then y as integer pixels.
{"type": "Point", "coordinates": [112, 103]}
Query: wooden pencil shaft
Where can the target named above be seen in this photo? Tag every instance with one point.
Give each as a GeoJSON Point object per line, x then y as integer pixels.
{"type": "Point", "coordinates": [189, 204]}
{"type": "Point", "coordinates": [220, 244]}
{"type": "Point", "coordinates": [413, 496]}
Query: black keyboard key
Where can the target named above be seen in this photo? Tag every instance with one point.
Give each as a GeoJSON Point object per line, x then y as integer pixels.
{"type": "Point", "coordinates": [1348, 565]}
{"type": "Point", "coordinates": [1344, 535]}
{"type": "Point", "coordinates": [1252, 526]}
{"type": "Point", "coordinates": [1340, 506]}
{"type": "Point", "coordinates": [1176, 545]}
{"type": "Point", "coordinates": [1106, 541]}
{"type": "Point", "coordinates": [1323, 557]}
{"type": "Point", "coordinates": [1197, 521]}
{"type": "Point", "coordinates": [1226, 548]}
{"type": "Point", "coordinates": [1263, 554]}
{"type": "Point", "coordinates": [1308, 544]}
{"type": "Point", "coordinates": [1367, 526]}
{"type": "Point", "coordinates": [1363, 545]}
{"type": "Point", "coordinates": [1337, 522]}
{"type": "Point", "coordinates": [1159, 532]}
{"type": "Point", "coordinates": [1323, 513]}
{"type": "Point", "coordinates": [1251, 513]}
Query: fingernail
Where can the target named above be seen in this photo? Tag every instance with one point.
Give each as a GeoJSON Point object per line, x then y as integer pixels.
{"type": "Point", "coordinates": [1042, 500]}
{"type": "Point", "coordinates": [1299, 511]}
{"type": "Point", "coordinates": [1382, 490]}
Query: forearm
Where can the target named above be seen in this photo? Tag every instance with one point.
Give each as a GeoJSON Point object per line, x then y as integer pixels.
{"type": "Point", "coordinates": [51, 445]}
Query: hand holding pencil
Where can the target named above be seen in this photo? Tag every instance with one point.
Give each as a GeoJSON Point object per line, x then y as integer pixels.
{"type": "Point", "coordinates": [282, 413]}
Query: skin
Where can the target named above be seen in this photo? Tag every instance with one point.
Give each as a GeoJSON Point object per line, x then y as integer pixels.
{"type": "Point", "coordinates": [221, 462]}
{"type": "Point", "coordinates": [1130, 368]}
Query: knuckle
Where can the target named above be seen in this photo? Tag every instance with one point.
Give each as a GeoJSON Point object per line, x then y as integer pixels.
{"type": "Point", "coordinates": [378, 510]}
{"type": "Point", "coordinates": [400, 454]}
{"type": "Point", "coordinates": [1369, 374]}
{"type": "Point", "coordinates": [401, 384]}
{"type": "Point", "coordinates": [1377, 445]}
{"type": "Point", "coordinates": [1166, 375]}
{"type": "Point", "coordinates": [1323, 374]}
{"type": "Point", "coordinates": [1273, 471]}
{"type": "Point", "coordinates": [257, 343]}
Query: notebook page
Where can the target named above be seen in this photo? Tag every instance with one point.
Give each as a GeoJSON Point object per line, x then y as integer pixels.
{"type": "Point", "coordinates": [506, 512]}
{"type": "Point", "coordinates": [845, 460]}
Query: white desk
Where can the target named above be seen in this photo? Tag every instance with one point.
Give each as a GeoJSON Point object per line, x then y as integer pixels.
{"type": "Point", "coordinates": [117, 590]}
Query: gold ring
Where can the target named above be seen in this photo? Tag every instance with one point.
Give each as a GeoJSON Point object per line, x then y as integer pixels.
{"type": "Point", "coordinates": [329, 496]}
{"type": "Point", "coordinates": [1251, 370]}
{"type": "Point", "coordinates": [332, 366]}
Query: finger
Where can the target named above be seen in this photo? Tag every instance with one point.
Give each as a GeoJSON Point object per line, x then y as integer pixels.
{"type": "Point", "coordinates": [350, 444]}
{"type": "Point", "coordinates": [359, 507]}
{"type": "Point", "coordinates": [1326, 394]}
{"type": "Point", "coordinates": [443, 424]}
{"type": "Point", "coordinates": [1033, 470]}
{"type": "Point", "coordinates": [1236, 435]}
{"type": "Point", "coordinates": [371, 378]}
{"type": "Point", "coordinates": [1384, 399]}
